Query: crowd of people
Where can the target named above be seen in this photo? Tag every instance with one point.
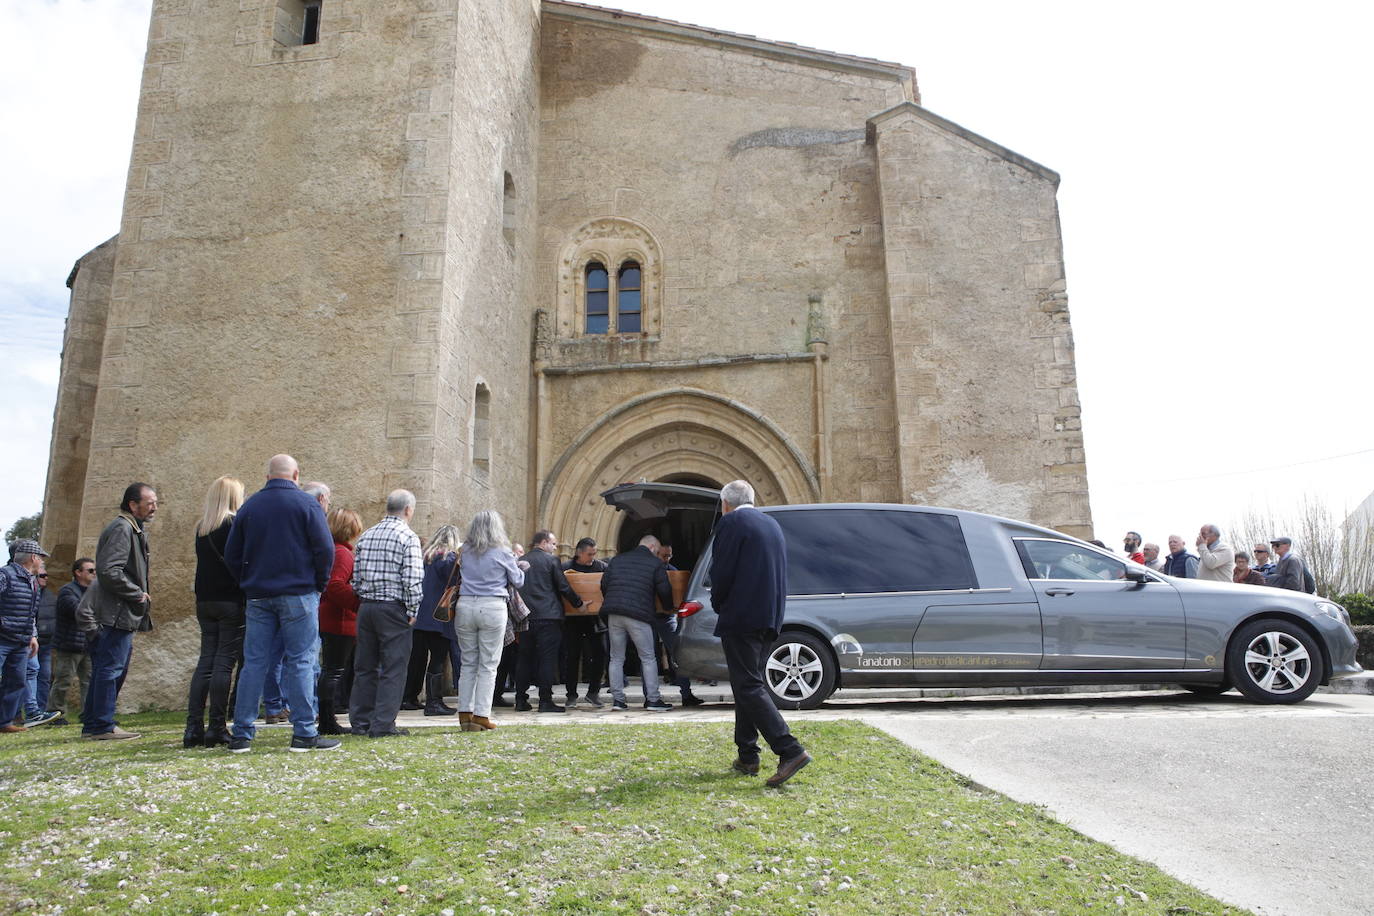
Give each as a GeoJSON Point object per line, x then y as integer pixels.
{"type": "Point", "coordinates": [1273, 564]}
{"type": "Point", "coordinates": [303, 614]}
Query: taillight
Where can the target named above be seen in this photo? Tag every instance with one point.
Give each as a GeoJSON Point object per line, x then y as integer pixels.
{"type": "Point", "coordinates": [689, 608]}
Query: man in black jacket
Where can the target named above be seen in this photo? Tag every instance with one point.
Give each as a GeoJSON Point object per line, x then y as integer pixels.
{"type": "Point", "coordinates": [584, 637]}
{"type": "Point", "coordinates": [71, 661]}
{"type": "Point", "coordinates": [630, 584]}
{"type": "Point", "coordinates": [545, 586]}
{"type": "Point", "coordinates": [749, 595]}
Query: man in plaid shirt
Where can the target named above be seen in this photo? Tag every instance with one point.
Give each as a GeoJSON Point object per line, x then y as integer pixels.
{"type": "Point", "coordinates": [387, 576]}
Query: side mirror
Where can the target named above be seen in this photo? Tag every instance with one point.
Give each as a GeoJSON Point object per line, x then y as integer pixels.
{"type": "Point", "coordinates": [1136, 576]}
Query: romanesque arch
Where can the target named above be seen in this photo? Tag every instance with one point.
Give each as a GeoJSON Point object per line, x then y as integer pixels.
{"type": "Point", "coordinates": [672, 432]}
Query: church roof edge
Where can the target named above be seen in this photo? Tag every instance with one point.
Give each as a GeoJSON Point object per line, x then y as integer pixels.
{"type": "Point", "coordinates": [834, 60]}
{"type": "Point", "coordinates": [959, 130]}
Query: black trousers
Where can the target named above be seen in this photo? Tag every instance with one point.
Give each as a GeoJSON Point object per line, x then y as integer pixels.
{"type": "Point", "coordinates": [428, 652]}
{"type": "Point", "coordinates": [584, 654]}
{"type": "Point", "coordinates": [540, 647]}
{"type": "Point", "coordinates": [221, 652]}
{"type": "Point", "coordinates": [755, 713]}
{"type": "Point", "coordinates": [336, 656]}
{"type": "Point", "coordinates": [379, 666]}
{"type": "Point", "coordinates": [505, 669]}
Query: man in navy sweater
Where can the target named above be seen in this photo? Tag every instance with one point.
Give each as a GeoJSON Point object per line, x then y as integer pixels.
{"type": "Point", "coordinates": [280, 550]}
{"type": "Point", "coordinates": [749, 594]}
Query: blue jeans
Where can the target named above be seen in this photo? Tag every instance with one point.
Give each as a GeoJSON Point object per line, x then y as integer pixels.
{"type": "Point", "coordinates": [273, 697]}
{"type": "Point", "coordinates": [110, 652]}
{"type": "Point", "coordinates": [14, 688]}
{"type": "Point", "coordinates": [297, 619]}
{"type": "Point", "coordinates": [40, 680]}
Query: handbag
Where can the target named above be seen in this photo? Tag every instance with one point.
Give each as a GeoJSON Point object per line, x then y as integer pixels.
{"type": "Point", "coordinates": [443, 609]}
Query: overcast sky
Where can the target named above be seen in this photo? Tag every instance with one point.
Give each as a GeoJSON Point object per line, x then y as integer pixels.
{"type": "Point", "coordinates": [1215, 201]}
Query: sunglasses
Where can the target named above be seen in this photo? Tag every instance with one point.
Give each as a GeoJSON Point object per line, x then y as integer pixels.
{"type": "Point", "coordinates": [42, 575]}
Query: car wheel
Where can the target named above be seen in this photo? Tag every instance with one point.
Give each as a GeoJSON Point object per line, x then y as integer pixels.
{"type": "Point", "coordinates": [1206, 690]}
{"type": "Point", "coordinates": [1274, 661]}
{"type": "Point", "coordinates": [799, 671]}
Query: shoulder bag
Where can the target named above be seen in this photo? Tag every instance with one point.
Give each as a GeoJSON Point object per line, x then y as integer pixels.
{"type": "Point", "coordinates": [443, 610]}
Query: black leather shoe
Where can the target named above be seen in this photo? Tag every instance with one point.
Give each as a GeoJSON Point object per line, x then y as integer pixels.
{"type": "Point", "coordinates": [549, 706]}
{"type": "Point", "coordinates": [409, 704]}
{"type": "Point", "coordinates": [747, 769]}
{"type": "Point", "coordinates": [217, 737]}
{"type": "Point", "coordinates": [691, 699]}
{"type": "Point", "coordinates": [500, 701]}
{"type": "Point", "coordinates": [194, 736]}
{"type": "Point", "coordinates": [360, 730]}
{"type": "Point", "coordinates": [521, 705]}
{"type": "Point", "coordinates": [787, 769]}
{"type": "Point", "coordinates": [394, 733]}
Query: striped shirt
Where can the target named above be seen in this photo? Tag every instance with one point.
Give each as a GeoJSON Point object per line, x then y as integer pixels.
{"type": "Point", "coordinates": [390, 564]}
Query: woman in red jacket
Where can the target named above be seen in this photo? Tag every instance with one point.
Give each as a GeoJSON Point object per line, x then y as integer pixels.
{"type": "Point", "coordinates": [338, 616]}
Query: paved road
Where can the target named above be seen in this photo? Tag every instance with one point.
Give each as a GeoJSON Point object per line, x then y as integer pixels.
{"type": "Point", "coordinates": [1266, 807]}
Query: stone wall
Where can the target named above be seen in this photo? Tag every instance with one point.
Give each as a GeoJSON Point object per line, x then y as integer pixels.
{"type": "Point", "coordinates": [986, 397]}
{"type": "Point", "coordinates": [746, 173]}
{"type": "Point", "coordinates": [83, 341]}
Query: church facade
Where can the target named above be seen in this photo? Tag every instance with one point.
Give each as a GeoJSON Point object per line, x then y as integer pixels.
{"type": "Point", "coordinates": [509, 254]}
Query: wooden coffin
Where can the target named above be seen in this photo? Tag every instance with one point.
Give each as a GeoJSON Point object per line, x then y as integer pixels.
{"type": "Point", "coordinates": [588, 588]}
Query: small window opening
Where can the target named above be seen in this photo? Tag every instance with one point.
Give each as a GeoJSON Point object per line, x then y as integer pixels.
{"type": "Point", "coordinates": [481, 429]}
{"type": "Point", "coordinates": [628, 302]}
{"type": "Point", "coordinates": [311, 33]}
{"type": "Point", "coordinates": [598, 299]}
{"type": "Point", "coordinates": [297, 22]}
{"type": "Point", "coordinates": [508, 211]}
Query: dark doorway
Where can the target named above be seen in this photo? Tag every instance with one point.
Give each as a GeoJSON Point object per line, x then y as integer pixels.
{"type": "Point", "coordinates": [686, 529]}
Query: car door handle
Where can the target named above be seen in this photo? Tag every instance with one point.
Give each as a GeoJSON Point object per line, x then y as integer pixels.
{"type": "Point", "coordinates": [1058, 592]}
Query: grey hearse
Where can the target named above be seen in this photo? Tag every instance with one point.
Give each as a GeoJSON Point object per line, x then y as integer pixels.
{"type": "Point", "coordinates": [914, 596]}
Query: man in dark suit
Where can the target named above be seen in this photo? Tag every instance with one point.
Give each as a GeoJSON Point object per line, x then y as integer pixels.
{"type": "Point", "coordinates": [1288, 572]}
{"type": "Point", "coordinates": [749, 594]}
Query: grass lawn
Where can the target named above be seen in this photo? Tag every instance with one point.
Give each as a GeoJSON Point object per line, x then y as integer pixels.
{"type": "Point", "coordinates": [556, 819]}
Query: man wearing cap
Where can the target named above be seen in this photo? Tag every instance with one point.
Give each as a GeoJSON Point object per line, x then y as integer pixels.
{"type": "Point", "coordinates": [19, 592]}
{"type": "Point", "coordinates": [115, 607]}
{"type": "Point", "coordinates": [1288, 572]}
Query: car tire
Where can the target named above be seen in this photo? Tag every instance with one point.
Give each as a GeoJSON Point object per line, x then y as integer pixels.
{"type": "Point", "coordinates": [1207, 690]}
{"type": "Point", "coordinates": [1274, 661]}
{"type": "Point", "coordinates": [799, 671]}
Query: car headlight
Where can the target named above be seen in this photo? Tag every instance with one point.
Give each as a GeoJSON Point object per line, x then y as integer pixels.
{"type": "Point", "coordinates": [1334, 611]}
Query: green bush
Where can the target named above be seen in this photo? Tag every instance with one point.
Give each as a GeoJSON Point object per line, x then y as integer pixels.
{"type": "Point", "coordinates": [1360, 607]}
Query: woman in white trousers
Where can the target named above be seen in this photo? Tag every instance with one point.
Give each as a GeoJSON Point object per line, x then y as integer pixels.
{"type": "Point", "coordinates": [489, 569]}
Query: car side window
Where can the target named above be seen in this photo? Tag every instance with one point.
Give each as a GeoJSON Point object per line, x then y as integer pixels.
{"type": "Point", "coordinates": [1065, 560]}
{"type": "Point", "coordinates": [863, 551]}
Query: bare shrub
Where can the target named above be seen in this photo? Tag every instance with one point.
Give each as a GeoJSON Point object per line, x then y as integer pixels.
{"type": "Point", "coordinates": [1340, 558]}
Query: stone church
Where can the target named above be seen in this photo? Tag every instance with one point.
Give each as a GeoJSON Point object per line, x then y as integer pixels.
{"type": "Point", "coordinates": [510, 253]}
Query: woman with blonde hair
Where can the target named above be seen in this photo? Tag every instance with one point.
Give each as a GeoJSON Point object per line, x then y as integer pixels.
{"type": "Point", "coordinates": [429, 648]}
{"type": "Point", "coordinates": [220, 614]}
{"type": "Point", "coordinates": [489, 570]}
{"type": "Point", "coordinates": [338, 617]}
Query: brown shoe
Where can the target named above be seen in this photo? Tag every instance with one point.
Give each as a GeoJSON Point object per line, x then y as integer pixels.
{"type": "Point", "coordinates": [464, 717]}
{"type": "Point", "coordinates": [115, 734]}
{"type": "Point", "coordinates": [748, 769]}
{"type": "Point", "coordinates": [787, 769]}
{"type": "Point", "coordinates": [483, 723]}
{"type": "Point", "coordinates": [279, 719]}
{"type": "Point", "coordinates": [10, 728]}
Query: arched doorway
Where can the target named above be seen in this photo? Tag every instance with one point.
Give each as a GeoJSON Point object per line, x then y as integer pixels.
{"type": "Point", "coordinates": [681, 435]}
{"type": "Point", "coordinates": [686, 531]}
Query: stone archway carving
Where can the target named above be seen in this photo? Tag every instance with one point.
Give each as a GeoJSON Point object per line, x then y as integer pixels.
{"type": "Point", "coordinates": [676, 431]}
